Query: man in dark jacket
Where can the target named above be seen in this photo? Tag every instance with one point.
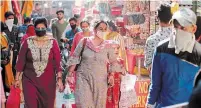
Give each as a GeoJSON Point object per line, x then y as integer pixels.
{"type": "Point", "coordinates": [12, 32]}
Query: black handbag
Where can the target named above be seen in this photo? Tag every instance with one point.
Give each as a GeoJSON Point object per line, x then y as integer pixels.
{"type": "Point", "coordinates": [84, 44]}
{"type": "Point", "coordinates": [5, 55]}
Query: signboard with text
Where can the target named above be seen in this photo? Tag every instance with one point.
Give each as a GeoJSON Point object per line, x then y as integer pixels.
{"type": "Point", "coordinates": [141, 88]}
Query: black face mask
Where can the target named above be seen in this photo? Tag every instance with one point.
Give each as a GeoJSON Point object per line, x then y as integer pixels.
{"type": "Point", "coordinates": [40, 32]}
{"type": "Point", "coordinates": [73, 26]}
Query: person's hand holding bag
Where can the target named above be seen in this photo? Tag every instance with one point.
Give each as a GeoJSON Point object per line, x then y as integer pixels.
{"type": "Point", "coordinates": [60, 83]}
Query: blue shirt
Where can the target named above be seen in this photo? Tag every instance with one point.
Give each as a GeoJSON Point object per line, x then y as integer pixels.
{"type": "Point", "coordinates": [23, 29]}
{"type": "Point", "coordinates": [173, 75]}
{"type": "Point", "coordinates": [70, 35]}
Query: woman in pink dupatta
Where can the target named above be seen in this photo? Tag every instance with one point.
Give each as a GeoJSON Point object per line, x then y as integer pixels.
{"type": "Point", "coordinates": [78, 36]}
{"type": "Point", "coordinates": [30, 32]}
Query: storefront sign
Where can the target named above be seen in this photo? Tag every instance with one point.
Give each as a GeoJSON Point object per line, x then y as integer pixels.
{"type": "Point", "coordinates": [141, 88]}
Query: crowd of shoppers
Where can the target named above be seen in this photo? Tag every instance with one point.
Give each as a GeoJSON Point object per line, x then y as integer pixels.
{"type": "Point", "coordinates": [97, 59]}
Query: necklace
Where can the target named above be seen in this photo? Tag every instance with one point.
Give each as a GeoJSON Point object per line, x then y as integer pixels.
{"type": "Point", "coordinates": [41, 38]}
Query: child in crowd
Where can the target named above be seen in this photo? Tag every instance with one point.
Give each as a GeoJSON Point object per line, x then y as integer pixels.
{"type": "Point", "coordinates": [113, 93]}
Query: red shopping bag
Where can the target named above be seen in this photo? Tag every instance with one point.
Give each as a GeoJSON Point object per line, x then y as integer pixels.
{"type": "Point", "coordinates": [14, 98]}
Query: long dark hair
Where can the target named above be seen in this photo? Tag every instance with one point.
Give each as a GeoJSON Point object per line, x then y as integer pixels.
{"type": "Point", "coordinates": [112, 25]}
{"type": "Point", "coordinates": [97, 23]}
{"type": "Point", "coordinates": [40, 20]}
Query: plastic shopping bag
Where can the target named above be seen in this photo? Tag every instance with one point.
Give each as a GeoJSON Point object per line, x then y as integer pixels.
{"type": "Point", "coordinates": [128, 94]}
{"type": "Point", "coordinates": [128, 82]}
{"type": "Point", "coordinates": [59, 99]}
{"type": "Point", "coordinates": [69, 97]}
{"type": "Point", "coordinates": [66, 98]}
{"type": "Point", "coordinates": [14, 98]}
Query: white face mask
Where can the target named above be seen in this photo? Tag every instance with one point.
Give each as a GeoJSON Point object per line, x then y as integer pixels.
{"type": "Point", "coordinates": [9, 23]}
{"type": "Point", "coordinates": [101, 34]}
{"type": "Point", "coordinates": [85, 29]}
{"type": "Point", "coordinates": [183, 40]}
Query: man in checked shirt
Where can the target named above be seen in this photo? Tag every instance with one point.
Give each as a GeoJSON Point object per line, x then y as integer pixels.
{"type": "Point", "coordinates": [164, 15]}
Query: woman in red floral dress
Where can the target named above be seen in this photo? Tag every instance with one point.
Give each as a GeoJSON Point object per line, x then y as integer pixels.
{"type": "Point", "coordinates": [113, 93]}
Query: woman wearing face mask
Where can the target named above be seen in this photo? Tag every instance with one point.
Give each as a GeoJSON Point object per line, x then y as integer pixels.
{"type": "Point", "coordinates": [38, 59]}
{"type": "Point", "coordinates": [85, 25]}
{"type": "Point", "coordinates": [30, 32]}
{"type": "Point", "coordinates": [78, 36]}
{"type": "Point", "coordinates": [91, 74]}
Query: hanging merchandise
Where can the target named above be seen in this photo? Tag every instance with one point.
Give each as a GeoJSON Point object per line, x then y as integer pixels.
{"type": "Point", "coordinates": [76, 10]}
{"type": "Point", "coordinates": [27, 8]}
{"type": "Point", "coordinates": [174, 7]}
{"type": "Point", "coordinates": [120, 21]}
{"type": "Point", "coordinates": [116, 11]}
{"type": "Point", "coordinates": [104, 8]}
{"type": "Point", "coordinates": [5, 5]}
{"type": "Point", "coordinates": [138, 18]}
{"type": "Point", "coordinates": [16, 7]}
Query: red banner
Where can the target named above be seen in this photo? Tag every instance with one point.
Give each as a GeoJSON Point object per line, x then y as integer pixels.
{"type": "Point", "coordinates": [141, 88]}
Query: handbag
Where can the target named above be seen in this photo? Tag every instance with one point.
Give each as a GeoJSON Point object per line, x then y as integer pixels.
{"type": "Point", "coordinates": [5, 55]}
{"type": "Point", "coordinates": [84, 43]}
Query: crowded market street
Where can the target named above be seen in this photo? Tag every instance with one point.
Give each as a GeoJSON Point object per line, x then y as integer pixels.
{"type": "Point", "coordinates": [100, 54]}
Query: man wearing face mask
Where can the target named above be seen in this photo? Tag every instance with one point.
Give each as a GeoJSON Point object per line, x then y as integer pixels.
{"type": "Point", "coordinates": [176, 62]}
{"type": "Point", "coordinates": [23, 28]}
{"type": "Point", "coordinates": [12, 32]}
{"type": "Point", "coordinates": [69, 35]}
{"type": "Point", "coordinates": [59, 26]}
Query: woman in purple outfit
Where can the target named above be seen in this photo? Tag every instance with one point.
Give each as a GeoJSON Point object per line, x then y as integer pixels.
{"type": "Point", "coordinates": [39, 60]}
